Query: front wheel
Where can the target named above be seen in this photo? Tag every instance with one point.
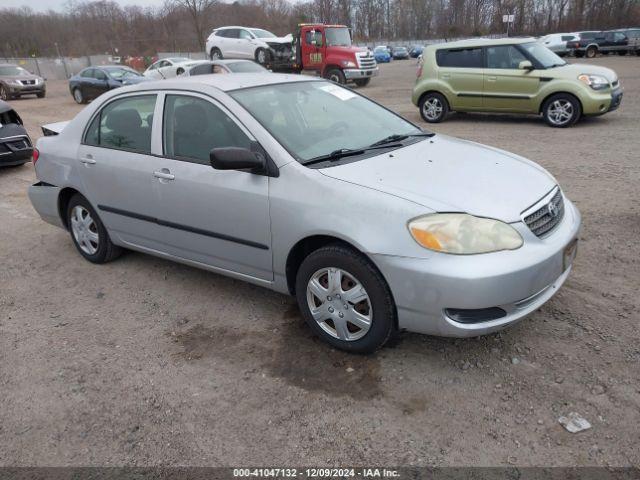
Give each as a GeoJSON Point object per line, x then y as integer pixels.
{"type": "Point", "coordinates": [4, 93]}
{"type": "Point", "coordinates": [41, 94]}
{"type": "Point", "coordinates": [88, 233]}
{"type": "Point", "coordinates": [433, 107]}
{"type": "Point", "coordinates": [336, 76]}
{"type": "Point", "coordinates": [261, 56]}
{"type": "Point", "coordinates": [561, 110]}
{"type": "Point", "coordinates": [362, 82]}
{"type": "Point", "coordinates": [345, 300]}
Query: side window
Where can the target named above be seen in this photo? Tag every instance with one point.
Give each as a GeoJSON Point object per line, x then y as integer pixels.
{"type": "Point", "coordinates": [461, 58]}
{"type": "Point", "coordinates": [124, 124]}
{"type": "Point", "coordinates": [164, 63]}
{"type": "Point", "coordinates": [504, 56]}
{"type": "Point", "coordinates": [192, 127]}
{"type": "Point", "coordinates": [99, 75]}
{"type": "Point", "coordinates": [203, 69]}
{"type": "Point", "coordinates": [567, 38]}
{"type": "Point", "coordinates": [618, 37]}
{"type": "Point", "coordinates": [88, 73]}
{"type": "Point", "coordinates": [232, 33]}
{"type": "Point", "coordinates": [244, 35]}
{"type": "Point", "coordinates": [310, 35]}
{"type": "Point", "coordinates": [218, 69]}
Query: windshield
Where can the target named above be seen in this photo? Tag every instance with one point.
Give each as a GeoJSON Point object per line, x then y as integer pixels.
{"type": "Point", "coordinates": [338, 37]}
{"type": "Point", "coordinates": [13, 71]}
{"type": "Point", "coordinates": [178, 59]}
{"type": "Point", "coordinates": [545, 57]}
{"type": "Point", "coordinates": [259, 33]}
{"type": "Point", "coordinates": [246, 67]}
{"type": "Point", "coordinates": [311, 119]}
{"type": "Point", "coordinates": [380, 50]}
{"type": "Point", "coordinates": [401, 49]}
{"type": "Point", "coordinates": [120, 73]}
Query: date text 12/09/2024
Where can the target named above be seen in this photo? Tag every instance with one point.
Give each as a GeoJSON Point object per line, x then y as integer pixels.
{"type": "Point", "coordinates": [315, 473]}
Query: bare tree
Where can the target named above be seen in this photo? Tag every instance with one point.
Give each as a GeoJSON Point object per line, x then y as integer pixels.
{"type": "Point", "coordinates": [199, 11]}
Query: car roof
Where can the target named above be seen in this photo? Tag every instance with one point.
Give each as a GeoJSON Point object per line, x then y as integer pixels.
{"type": "Point", "coordinates": [226, 83]}
{"type": "Point", "coordinates": [483, 42]}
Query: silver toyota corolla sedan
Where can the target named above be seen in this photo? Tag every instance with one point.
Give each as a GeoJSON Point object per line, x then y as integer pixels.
{"type": "Point", "coordinates": [311, 189]}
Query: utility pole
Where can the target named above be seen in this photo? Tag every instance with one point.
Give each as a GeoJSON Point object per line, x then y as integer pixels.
{"type": "Point", "coordinates": [64, 64]}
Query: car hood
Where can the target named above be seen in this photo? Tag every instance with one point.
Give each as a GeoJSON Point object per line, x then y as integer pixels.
{"type": "Point", "coordinates": [286, 39]}
{"type": "Point", "coordinates": [450, 175]}
{"type": "Point", "coordinates": [20, 77]}
{"type": "Point", "coordinates": [573, 70]}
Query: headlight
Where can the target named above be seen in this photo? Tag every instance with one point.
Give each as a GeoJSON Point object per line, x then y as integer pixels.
{"type": "Point", "coordinates": [463, 234]}
{"type": "Point", "coordinates": [348, 64]}
{"type": "Point", "coordinates": [597, 82]}
{"type": "Point", "coordinates": [14, 82]}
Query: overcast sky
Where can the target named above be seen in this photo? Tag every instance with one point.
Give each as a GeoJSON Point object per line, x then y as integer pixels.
{"type": "Point", "coordinates": [43, 5]}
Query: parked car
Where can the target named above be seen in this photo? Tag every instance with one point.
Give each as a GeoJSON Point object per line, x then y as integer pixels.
{"type": "Point", "coordinates": [400, 53]}
{"type": "Point", "coordinates": [243, 42]}
{"type": "Point", "coordinates": [15, 82]}
{"type": "Point", "coordinates": [92, 82]}
{"type": "Point", "coordinates": [381, 54]}
{"type": "Point", "coordinates": [207, 67]}
{"type": "Point", "coordinates": [557, 42]}
{"type": "Point", "coordinates": [315, 191]}
{"type": "Point", "coordinates": [633, 35]}
{"type": "Point", "coordinates": [589, 44]}
{"type": "Point", "coordinates": [511, 76]}
{"type": "Point", "coordinates": [167, 68]}
{"type": "Point", "coordinates": [416, 51]}
{"type": "Point", "coordinates": [15, 144]}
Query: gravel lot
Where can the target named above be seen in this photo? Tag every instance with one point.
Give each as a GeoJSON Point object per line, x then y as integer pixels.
{"type": "Point", "coordinates": [147, 362]}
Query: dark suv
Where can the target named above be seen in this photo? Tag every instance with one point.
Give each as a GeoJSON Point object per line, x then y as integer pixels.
{"type": "Point", "coordinates": [15, 81]}
{"type": "Point", "coordinates": [589, 44]}
{"type": "Point", "coordinates": [15, 144]}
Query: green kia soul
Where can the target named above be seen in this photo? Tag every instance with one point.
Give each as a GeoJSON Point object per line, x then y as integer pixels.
{"type": "Point", "coordinates": [511, 76]}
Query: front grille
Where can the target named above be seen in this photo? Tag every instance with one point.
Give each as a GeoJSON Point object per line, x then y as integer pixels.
{"type": "Point", "coordinates": [365, 60]}
{"type": "Point", "coordinates": [19, 144]}
{"type": "Point", "coordinates": [547, 217]}
{"type": "Point", "coordinates": [28, 82]}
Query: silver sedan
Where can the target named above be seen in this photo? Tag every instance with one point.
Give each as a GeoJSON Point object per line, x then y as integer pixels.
{"type": "Point", "coordinates": [310, 189]}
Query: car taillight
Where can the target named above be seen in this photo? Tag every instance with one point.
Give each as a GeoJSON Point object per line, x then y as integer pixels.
{"type": "Point", "coordinates": [36, 155]}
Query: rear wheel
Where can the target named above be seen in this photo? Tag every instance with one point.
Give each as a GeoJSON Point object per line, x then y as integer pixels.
{"type": "Point", "coordinates": [363, 82]}
{"type": "Point", "coordinates": [215, 54]}
{"type": "Point", "coordinates": [180, 71]}
{"type": "Point", "coordinates": [345, 300]}
{"type": "Point", "coordinates": [78, 95]}
{"type": "Point", "coordinates": [592, 52]}
{"type": "Point", "coordinates": [561, 110]}
{"type": "Point", "coordinates": [88, 233]}
{"type": "Point", "coordinates": [336, 75]}
{"type": "Point", "coordinates": [433, 107]}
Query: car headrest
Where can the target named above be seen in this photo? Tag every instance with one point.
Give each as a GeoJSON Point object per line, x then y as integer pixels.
{"type": "Point", "coordinates": [190, 118]}
{"type": "Point", "coordinates": [123, 120]}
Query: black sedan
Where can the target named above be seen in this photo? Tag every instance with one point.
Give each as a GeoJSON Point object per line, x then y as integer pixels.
{"type": "Point", "coordinates": [92, 82]}
{"type": "Point", "coordinates": [400, 53]}
{"type": "Point", "coordinates": [15, 144]}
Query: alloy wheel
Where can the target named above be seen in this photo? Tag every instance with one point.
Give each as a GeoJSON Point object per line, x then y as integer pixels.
{"type": "Point", "coordinates": [560, 112]}
{"type": "Point", "coordinates": [432, 108]}
{"type": "Point", "coordinates": [77, 95]}
{"type": "Point", "coordinates": [339, 303]}
{"type": "Point", "coordinates": [262, 56]}
{"type": "Point", "coordinates": [85, 230]}
{"type": "Point", "coordinates": [3, 93]}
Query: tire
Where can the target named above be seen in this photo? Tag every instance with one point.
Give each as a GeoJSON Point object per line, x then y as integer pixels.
{"type": "Point", "coordinates": [215, 54]}
{"type": "Point", "coordinates": [362, 82]}
{"type": "Point", "coordinates": [41, 94]}
{"type": "Point", "coordinates": [433, 107]}
{"type": "Point", "coordinates": [261, 56]}
{"type": "Point", "coordinates": [333, 324]}
{"type": "Point", "coordinates": [336, 75]}
{"type": "Point", "coordinates": [561, 101]}
{"type": "Point", "coordinates": [179, 71]}
{"type": "Point", "coordinates": [78, 96]}
{"type": "Point", "coordinates": [4, 93]}
{"type": "Point", "coordinates": [100, 250]}
{"type": "Point", "coordinates": [622, 53]}
{"type": "Point", "coordinates": [592, 52]}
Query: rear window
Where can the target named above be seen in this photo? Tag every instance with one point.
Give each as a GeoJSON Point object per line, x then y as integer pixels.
{"type": "Point", "coordinates": [567, 38]}
{"type": "Point", "coordinates": [460, 58]}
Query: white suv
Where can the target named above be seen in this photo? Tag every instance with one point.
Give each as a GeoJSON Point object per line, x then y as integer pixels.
{"type": "Point", "coordinates": [242, 42]}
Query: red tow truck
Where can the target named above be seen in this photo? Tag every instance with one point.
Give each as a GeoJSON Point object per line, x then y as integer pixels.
{"type": "Point", "coordinates": [326, 50]}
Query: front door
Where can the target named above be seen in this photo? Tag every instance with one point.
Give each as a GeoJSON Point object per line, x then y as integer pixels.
{"type": "Point", "coordinates": [213, 217]}
{"type": "Point", "coordinates": [116, 168]}
{"type": "Point", "coordinates": [313, 49]}
{"type": "Point", "coordinates": [507, 87]}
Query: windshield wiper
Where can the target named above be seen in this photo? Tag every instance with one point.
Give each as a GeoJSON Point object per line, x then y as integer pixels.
{"type": "Point", "coordinates": [397, 137]}
{"type": "Point", "coordinates": [347, 152]}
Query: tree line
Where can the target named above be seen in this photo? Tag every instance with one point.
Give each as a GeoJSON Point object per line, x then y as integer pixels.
{"type": "Point", "coordinates": [99, 27]}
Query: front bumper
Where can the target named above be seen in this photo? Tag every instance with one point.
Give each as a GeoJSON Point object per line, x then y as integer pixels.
{"type": "Point", "coordinates": [18, 90]}
{"type": "Point", "coordinates": [597, 103]}
{"type": "Point", "coordinates": [15, 150]}
{"type": "Point", "coordinates": [518, 281]}
{"type": "Point", "coordinates": [360, 73]}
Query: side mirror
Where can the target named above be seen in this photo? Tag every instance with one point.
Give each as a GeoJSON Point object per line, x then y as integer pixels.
{"type": "Point", "coordinates": [235, 158]}
{"type": "Point", "coordinates": [525, 65]}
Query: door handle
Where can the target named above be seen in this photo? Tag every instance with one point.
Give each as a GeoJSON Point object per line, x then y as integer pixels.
{"type": "Point", "coordinates": [164, 174]}
{"type": "Point", "coordinates": [446, 75]}
{"type": "Point", "coordinates": [492, 79]}
{"type": "Point", "coordinates": [88, 159]}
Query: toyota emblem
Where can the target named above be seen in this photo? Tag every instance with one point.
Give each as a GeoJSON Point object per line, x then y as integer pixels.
{"type": "Point", "coordinates": [553, 210]}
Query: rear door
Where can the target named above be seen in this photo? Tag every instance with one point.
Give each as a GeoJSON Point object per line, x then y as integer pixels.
{"type": "Point", "coordinates": [506, 87]}
{"type": "Point", "coordinates": [462, 70]}
{"type": "Point", "coordinates": [218, 218]}
{"type": "Point", "coordinates": [117, 165]}
{"type": "Point", "coordinates": [245, 44]}
{"type": "Point", "coordinates": [230, 46]}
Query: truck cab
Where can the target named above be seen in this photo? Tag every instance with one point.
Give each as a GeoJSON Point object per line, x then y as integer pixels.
{"type": "Point", "coordinates": [328, 50]}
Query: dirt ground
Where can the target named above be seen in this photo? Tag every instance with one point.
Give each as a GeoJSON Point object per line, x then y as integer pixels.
{"type": "Point", "coordinates": [147, 362]}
